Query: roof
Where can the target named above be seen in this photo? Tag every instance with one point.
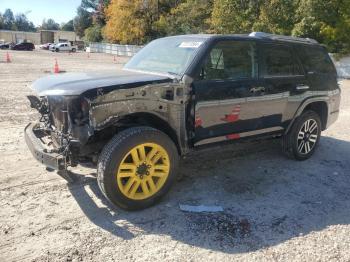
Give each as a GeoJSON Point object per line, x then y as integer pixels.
{"type": "Point", "coordinates": [253, 35]}
{"type": "Point", "coordinates": [283, 38]}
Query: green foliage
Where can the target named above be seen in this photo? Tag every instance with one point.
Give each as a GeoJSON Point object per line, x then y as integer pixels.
{"type": "Point", "coordinates": [18, 22]}
{"type": "Point", "coordinates": [276, 16]}
{"type": "Point", "coordinates": [139, 21]}
{"type": "Point", "coordinates": [326, 21]}
{"type": "Point", "coordinates": [9, 20]}
{"type": "Point", "coordinates": [185, 19]}
{"type": "Point", "coordinates": [97, 10]}
{"type": "Point", "coordinates": [93, 33]}
{"type": "Point", "coordinates": [82, 21]}
{"type": "Point", "coordinates": [234, 16]}
{"type": "Point", "coordinates": [90, 19]}
{"type": "Point", "coordinates": [22, 23]}
{"type": "Point", "coordinates": [69, 26]}
{"type": "Point", "coordinates": [1, 22]}
{"type": "Point", "coordinates": [49, 24]}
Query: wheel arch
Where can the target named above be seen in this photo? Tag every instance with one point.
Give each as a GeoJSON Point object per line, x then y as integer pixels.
{"type": "Point", "coordinates": [319, 105]}
{"type": "Point", "coordinates": [321, 108]}
{"type": "Point", "coordinates": [151, 120]}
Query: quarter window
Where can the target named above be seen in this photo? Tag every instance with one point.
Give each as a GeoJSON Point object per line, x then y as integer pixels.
{"type": "Point", "coordinates": [230, 60]}
{"type": "Point", "coordinates": [315, 59]}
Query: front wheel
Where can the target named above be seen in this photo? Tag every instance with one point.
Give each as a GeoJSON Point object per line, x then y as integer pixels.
{"type": "Point", "coordinates": [137, 167]}
{"type": "Point", "coordinates": [304, 136]}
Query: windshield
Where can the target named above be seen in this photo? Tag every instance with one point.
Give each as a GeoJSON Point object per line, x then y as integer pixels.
{"type": "Point", "coordinates": [166, 55]}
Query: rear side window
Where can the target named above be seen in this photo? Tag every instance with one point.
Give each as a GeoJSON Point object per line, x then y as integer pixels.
{"type": "Point", "coordinates": [277, 60]}
{"type": "Point", "coordinates": [315, 59]}
{"type": "Point", "coordinates": [231, 60]}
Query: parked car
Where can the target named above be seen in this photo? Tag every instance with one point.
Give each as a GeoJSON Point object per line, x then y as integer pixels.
{"type": "Point", "coordinates": [63, 47]}
{"type": "Point", "coordinates": [5, 46]}
{"type": "Point", "coordinates": [24, 46]}
{"type": "Point", "coordinates": [46, 46]}
{"type": "Point", "coordinates": [178, 95]}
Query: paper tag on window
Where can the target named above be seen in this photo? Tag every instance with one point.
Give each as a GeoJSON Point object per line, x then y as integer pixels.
{"type": "Point", "coordinates": [190, 44]}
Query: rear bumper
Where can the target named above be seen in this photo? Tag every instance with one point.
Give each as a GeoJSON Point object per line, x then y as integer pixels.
{"type": "Point", "coordinates": [333, 107]}
{"type": "Point", "coordinates": [332, 117]}
{"type": "Point", "coordinates": [40, 151]}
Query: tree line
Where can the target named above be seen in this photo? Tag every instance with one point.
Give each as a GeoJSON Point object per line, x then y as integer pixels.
{"type": "Point", "coordinates": [140, 21]}
{"type": "Point", "coordinates": [20, 22]}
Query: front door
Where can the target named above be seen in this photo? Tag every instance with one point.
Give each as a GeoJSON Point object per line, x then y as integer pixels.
{"type": "Point", "coordinates": [228, 77]}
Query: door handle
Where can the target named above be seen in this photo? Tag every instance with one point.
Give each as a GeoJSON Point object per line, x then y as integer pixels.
{"type": "Point", "coordinates": [302, 87]}
{"type": "Point", "coordinates": [257, 89]}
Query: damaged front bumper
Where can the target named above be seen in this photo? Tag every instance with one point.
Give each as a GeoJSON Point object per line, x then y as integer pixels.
{"type": "Point", "coordinates": [34, 139]}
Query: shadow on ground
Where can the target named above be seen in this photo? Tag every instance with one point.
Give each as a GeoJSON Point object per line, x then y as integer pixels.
{"type": "Point", "coordinates": [267, 198]}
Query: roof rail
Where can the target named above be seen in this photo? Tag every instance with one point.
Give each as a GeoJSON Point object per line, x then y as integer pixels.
{"type": "Point", "coordinates": [283, 37]}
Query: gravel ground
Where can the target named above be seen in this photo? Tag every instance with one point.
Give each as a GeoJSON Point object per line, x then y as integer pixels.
{"type": "Point", "coordinates": [274, 208]}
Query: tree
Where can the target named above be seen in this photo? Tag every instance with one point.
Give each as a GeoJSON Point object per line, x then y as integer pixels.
{"type": "Point", "coordinates": [184, 19]}
{"type": "Point", "coordinates": [23, 24]}
{"type": "Point", "coordinates": [282, 23]}
{"type": "Point", "coordinates": [82, 21]}
{"type": "Point", "coordinates": [128, 21]}
{"type": "Point", "coordinates": [69, 26]}
{"type": "Point", "coordinates": [326, 21]}
{"type": "Point", "coordinates": [136, 22]}
{"type": "Point", "coordinates": [93, 33]}
{"type": "Point", "coordinates": [97, 10]}
{"type": "Point", "coordinates": [1, 22]}
{"type": "Point", "coordinates": [50, 24]}
{"type": "Point", "coordinates": [9, 20]}
{"type": "Point", "coordinates": [234, 16]}
{"type": "Point", "coordinates": [139, 21]}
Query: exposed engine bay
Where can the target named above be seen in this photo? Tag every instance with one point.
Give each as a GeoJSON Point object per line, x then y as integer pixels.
{"type": "Point", "coordinates": [59, 116]}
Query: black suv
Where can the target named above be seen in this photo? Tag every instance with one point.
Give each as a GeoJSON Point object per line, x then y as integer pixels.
{"type": "Point", "coordinates": [180, 94]}
{"type": "Point", "coordinates": [24, 46]}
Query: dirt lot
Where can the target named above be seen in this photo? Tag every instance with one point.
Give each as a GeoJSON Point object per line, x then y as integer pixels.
{"type": "Point", "coordinates": [274, 208]}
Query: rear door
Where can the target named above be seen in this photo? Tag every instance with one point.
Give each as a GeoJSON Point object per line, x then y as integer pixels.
{"type": "Point", "coordinates": [282, 77]}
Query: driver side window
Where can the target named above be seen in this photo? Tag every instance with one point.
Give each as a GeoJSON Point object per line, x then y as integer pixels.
{"type": "Point", "coordinates": [231, 60]}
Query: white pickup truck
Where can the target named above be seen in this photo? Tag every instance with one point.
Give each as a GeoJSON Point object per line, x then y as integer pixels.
{"type": "Point", "coordinates": [63, 47]}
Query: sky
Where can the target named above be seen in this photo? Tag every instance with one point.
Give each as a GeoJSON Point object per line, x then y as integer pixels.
{"type": "Point", "coordinates": [37, 10]}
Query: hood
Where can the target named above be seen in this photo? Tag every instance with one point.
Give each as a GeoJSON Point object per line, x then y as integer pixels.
{"type": "Point", "coordinates": [70, 84]}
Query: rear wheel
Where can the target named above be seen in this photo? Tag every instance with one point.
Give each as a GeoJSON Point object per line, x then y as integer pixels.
{"type": "Point", "coordinates": [303, 138]}
{"type": "Point", "coordinates": [137, 167]}
{"type": "Point", "coordinates": [74, 50]}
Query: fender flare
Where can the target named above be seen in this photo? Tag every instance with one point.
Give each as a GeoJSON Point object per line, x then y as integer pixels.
{"type": "Point", "coordinates": [303, 105]}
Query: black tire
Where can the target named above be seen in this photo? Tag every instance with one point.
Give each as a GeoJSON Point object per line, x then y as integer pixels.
{"type": "Point", "coordinates": [113, 154]}
{"type": "Point", "coordinates": [74, 50]}
{"type": "Point", "coordinates": [300, 147]}
{"type": "Point", "coordinates": [57, 50]}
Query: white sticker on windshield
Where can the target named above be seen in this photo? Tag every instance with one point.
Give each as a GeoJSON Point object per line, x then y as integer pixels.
{"type": "Point", "coordinates": [190, 44]}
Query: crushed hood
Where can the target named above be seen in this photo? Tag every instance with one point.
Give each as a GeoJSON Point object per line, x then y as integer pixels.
{"type": "Point", "coordinates": [70, 84]}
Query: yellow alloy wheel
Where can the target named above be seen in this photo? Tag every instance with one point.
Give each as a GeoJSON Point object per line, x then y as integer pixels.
{"type": "Point", "coordinates": [143, 171]}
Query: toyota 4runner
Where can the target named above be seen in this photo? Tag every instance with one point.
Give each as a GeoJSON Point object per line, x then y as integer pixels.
{"type": "Point", "coordinates": [179, 94]}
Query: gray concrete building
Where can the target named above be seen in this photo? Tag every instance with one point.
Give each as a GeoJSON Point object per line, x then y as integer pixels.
{"type": "Point", "coordinates": [37, 38]}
